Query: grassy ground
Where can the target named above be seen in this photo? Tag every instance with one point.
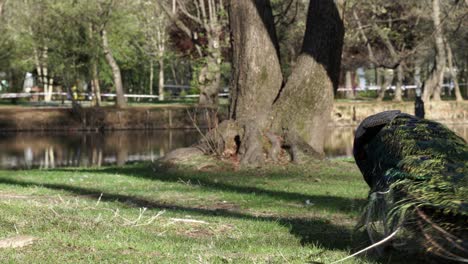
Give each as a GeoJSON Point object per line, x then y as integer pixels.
{"type": "Point", "coordinates": [146, 214]}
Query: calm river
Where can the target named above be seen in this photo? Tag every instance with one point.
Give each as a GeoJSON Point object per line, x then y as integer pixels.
{"type": "Point", "coordinates": [49, 150]}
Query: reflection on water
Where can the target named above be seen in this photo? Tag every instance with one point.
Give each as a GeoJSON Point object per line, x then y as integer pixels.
{"type": "Point", "coordinates": [49, 150]}
{"type": "Point", "coordinates": [340, 140]}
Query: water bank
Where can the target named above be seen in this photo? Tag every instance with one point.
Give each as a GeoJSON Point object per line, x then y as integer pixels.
{"type": "Point", "coordinates": [106, 118]}
{"type": "Point", "coordinates": [187, 117]}
{"type": "Point", "coordinates": [352, 113]}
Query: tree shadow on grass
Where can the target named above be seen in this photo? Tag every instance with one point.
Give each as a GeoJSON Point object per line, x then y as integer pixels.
{"type": "Point", "coordinates": [208, 180]}
{"type": "Point", "coordinates": [318, 232]}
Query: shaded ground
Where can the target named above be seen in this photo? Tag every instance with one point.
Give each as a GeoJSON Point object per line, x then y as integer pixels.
{"type": "Point", "coordinates": [148, 214]}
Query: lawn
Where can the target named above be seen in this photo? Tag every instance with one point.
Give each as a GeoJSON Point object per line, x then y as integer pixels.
{"type": "Point", "coordinates": [144, 213]}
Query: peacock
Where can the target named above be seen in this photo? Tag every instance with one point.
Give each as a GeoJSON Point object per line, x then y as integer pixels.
{"type": "Point", "coordinates": [417, 173]}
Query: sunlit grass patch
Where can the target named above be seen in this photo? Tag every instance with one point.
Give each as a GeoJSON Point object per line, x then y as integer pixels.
{"type": "Point", "coordinates": [141, 213]}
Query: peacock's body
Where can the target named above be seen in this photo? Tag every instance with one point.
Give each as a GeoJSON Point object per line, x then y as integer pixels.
{"type": "Point", "coordinates": [417, 172]}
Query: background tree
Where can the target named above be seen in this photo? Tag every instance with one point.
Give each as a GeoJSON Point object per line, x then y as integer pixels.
{"type": "Point", "coordinates": [154, 24]}
{"type": "Point", "coordinates": [90, 31]}
{"type": "Point", "coordinates": [2, 2]}
{"type": "Point", "coordinates": [391, 34]}
{"type": "Point", "coordinates": [203, 22]}
{"type": "Point", "coordinates": [433, 85]}
{"type": "Point", "coordinates": [105, 11]}
{"type": "Point", "coordinates": [400, 36]}
{"type": "Point", "coordinates": [448, 18]}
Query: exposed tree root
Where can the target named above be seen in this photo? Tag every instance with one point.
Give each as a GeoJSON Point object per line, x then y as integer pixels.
{"type": "Point", "coordinates": [276, 144]}
{"type": "Point", "coordinates": [246, 144]}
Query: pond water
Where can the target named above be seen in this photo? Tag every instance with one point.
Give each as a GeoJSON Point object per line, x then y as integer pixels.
{"type": "Point", "coordinates": [63, 149]}
{"type": "Point", "coordinates": [340, 140]}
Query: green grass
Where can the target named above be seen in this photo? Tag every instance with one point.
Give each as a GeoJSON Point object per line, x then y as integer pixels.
{"type": "Point", "coordinates": [293, 214]}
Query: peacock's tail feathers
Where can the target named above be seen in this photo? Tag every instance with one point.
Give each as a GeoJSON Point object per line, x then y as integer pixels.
{"type": "Point", "coordinates": [417, 170]}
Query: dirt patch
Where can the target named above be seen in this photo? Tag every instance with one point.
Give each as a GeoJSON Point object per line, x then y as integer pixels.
{"type": "Point", "coordinates": [205, 231]}
{"type": "Point", "coordinates": [4, 196]}
{"type": "Point", "coordinates": [17, 242]}
{"type": "Point", "coordinates": [198, 233]}
{"type": "Point", "coordinates": [225, 206]}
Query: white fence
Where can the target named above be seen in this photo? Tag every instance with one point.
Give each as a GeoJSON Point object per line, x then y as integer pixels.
{"type": "Point", "coordinates": [224, 94]}
{"type": "Point", "coordinates": [393, 87]}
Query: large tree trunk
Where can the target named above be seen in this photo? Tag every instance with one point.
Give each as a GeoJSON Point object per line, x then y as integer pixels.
{"type": "Point", "coordinates": [257, 76]}
{"type": "Point", "coordinates": [299, 111]}
{"type": "Point", "coordinates": [268, 116]}
{"type": "Point", "coordinates": [120, 102]}
{"type": "Point", "coordinates": [303, 109]}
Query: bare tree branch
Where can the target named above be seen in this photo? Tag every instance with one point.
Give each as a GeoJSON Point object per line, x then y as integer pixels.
{"type": "Point", "coordinates": [190, 16]}
{"type": "Point", "coordinates": [179, 23]}
{"type": "Point", "coordinates": [1, 8]}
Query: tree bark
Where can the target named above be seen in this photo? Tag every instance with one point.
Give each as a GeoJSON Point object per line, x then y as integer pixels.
{"type": "Point", "coordinates": [399, 85]}
{"type": "Point", "coordinates": [388, 79]}
{"type": "Point", "coordinates": [269, 117]}
{"type": "Point", "coordinates": [40, 59]}
{"type": "Point", "coordinates": [210, 76]}
{"type": "Point", "coordinates": [174, 73]}
{"type": "Point", "coordinates": [210, 82]}
{"type": "Point", "coordinates": [151, 78]}
{"type": "Point", "coordinates": [2, 2]}
{"type": "Point", "coordinates": [453, 73]}
{"type": "Point", "coordinates": [349, 85]}
{"type": "Point", "coordinates": [304, 106]}
{"type": "Point", "coordinates": [417, 74]}
{"type": "Point", "coordinates": [50, 85]}
{"type": "Point", "coordinates": [47, 80]}
{"type": "Point", "coordinates": [38, 63]}
{"type": "Point", "coordinates": [257, 76]}
{"type": "Point", "coordinates": [95, 84]}
{"type": "Point", "coordinates": [120, 102]}
{"type": "Point", "coordinates": [161, 79]}
{"type": "Point", "coordinates": [299, 111]}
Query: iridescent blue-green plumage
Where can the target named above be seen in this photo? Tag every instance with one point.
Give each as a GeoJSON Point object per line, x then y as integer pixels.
{"type": "Point", "coordinates": [417, 171]}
